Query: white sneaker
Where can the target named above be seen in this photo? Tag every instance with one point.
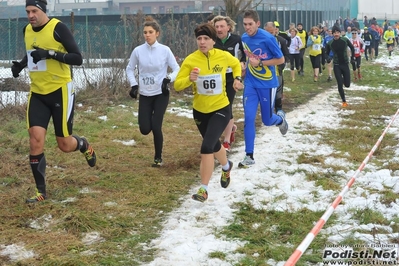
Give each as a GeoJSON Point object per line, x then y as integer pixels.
{"type": "Point", "coordinates": [281, 113]}
{"type": "Point", "coordinates": [283, 126]}
{"type": "Point", "coordinates": [246, 162]}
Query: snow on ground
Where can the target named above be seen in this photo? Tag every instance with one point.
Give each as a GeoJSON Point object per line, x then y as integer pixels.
{"type": "Point", "coordinates": [188, 234]}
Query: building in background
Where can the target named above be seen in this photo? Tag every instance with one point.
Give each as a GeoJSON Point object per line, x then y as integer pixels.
{"type": "Point", "coordinates": [16, 8]}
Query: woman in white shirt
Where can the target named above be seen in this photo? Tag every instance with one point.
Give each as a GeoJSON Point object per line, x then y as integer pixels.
{"type": "Point", "coordinates": [294, 48]}
{"type": "Point", "coordinates": [152, 60]}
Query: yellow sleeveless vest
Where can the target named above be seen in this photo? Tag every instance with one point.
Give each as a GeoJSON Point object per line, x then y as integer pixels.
{"type": "Point", "coordinates": [303, 38]}
{"type": "Point", "coordinates": [55, 74]}
{"type": "Point", "coordinates": [315, 48]}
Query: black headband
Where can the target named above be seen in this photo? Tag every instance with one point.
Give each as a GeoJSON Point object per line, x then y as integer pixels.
{"type": "Point", "coordinates": [38, 4]}
{"type": "Point", "coordinates": [203, 32]}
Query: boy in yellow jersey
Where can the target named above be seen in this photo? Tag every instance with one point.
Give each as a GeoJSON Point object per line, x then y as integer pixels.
{"type": "Point", "coordinates": [205, 70]}
{"type": "Point", "coordinates": [389, 37]}
{"type": "Point", "coordinates": [50, 49]}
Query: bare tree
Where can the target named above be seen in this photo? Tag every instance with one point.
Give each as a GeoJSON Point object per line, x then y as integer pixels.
{"type": "Point", "coordinates": [233, 8]}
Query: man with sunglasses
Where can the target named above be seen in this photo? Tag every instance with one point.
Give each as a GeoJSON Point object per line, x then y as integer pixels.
{"type": "Point", "coordinates": [358, 45]}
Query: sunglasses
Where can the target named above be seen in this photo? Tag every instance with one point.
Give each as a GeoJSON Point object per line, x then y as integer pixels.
{"type": "Point", "coordinates": [354, 33]}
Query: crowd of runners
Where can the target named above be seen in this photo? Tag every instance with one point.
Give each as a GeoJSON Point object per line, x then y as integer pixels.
{"type": "Point", "coordinates": [223, 64]}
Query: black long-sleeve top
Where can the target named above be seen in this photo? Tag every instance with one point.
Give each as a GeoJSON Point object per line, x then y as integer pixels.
{"type": "Point", "coordinates": [339, 48]}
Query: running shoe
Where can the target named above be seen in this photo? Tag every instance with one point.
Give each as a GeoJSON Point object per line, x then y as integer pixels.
{"type": "Point", "coordinates": [226, 146]}
{"type": "Point", "coordinates": [283, 126]}
{"type": "Point", "coordinates": [344, 104]}
{"type": "Point", "coordinates": [246, 162]}
{"type": "Point", "coordinates": [225, 178]}
{"type": "Point", "coordinates": [359, 76]}
{"type": "Point", "coordinates": [89, 153]}
{"type": "Point", "coordinates": [315, 78]}
{"type": "Point", "coordinates": [38, 197]}
{"type": "Point", "coordinates": [232, 135]}
{"type": "Point", "coordinates": [157, 162]}
{"type": "Point", "coordinates": [201, 195]}
{"type": "Point", "coordinates": [281, 113]}
{"type": "Point", "coordinates": [329, 78]}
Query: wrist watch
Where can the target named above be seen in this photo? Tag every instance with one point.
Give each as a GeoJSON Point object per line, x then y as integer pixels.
{"type": "Point", "coordinates": [52, 53]}
{"type": "Point", "coordinates": [260, 63]}
{"type": "Point", "coordinates": [238, 78]}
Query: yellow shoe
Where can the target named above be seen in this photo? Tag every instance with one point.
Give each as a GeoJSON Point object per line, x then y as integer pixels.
{"type": "Point", "coordinates": [201, 195]}
{"type": "Point", "coordinates": [38, 197]}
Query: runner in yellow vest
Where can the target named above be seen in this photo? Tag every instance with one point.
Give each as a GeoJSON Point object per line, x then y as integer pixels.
{"type": "Point", "coordinates": [315, 43]}
{"type": "Point", "coordinates": [304, 37]}
{"type": "Point", "coordinates": [389, 37]}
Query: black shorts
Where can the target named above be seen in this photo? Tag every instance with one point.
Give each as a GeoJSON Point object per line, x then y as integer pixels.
{"type": "Point", "coordinates": [58, 105]}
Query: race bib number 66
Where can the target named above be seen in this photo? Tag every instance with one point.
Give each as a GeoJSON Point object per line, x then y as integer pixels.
{"type": "Point", "coordinates": [210, 84]}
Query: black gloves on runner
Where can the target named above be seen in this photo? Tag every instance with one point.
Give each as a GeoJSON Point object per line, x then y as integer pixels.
{"type": "Point", "coordinates": [16, 68]}
{"type": "Point", "coordinates": [133, 92]}
{"type": "Point", "coordinates": [353, 60]}
{"type": "Point", "coordinates": [39, 54]}
{"type": "Point", "coordinates": [165, 87]}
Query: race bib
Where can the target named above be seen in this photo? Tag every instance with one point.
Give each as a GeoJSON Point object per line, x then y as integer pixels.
{"type": "Point", "coordinates": [40, 66]}
{"type": "Point", "coordinates": [367, 43]}
{"type": "Point", "coordinates": [357, 50]}
{"type": "Point", "coordinates": [316, 47]}
{"type": "Point", "coordinates": [147, 81]}
{"type": "Point", "coordinates": [210, 84]}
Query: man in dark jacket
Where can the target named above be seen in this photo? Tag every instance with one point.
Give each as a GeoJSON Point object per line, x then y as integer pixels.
{"type": "Point", "coordinates": [272, 29]}
{"type": "Point", "coordinates": [228, 41]}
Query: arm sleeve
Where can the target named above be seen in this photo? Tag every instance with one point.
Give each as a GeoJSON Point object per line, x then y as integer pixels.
{"type": "Point", "coordinates": [350, 45]}
{"type": "Point", "coordinates": [235, 64]}
{"type": "Point", "coordinates": [182, 80]}
{"type": "Point", "coordinates": [284, 48]}
{"type": "Point", "coordinates": [130, 69]}
{"type": "Point", "coordinates": [243, 56]}
{"type": "Point", "coordinates": [328, 48]}
{"type": "Point", "coordinates": [309, 42]}
{"type": "Point", "coordinates": [173, 65]}
{"type": "Point", "coordinates": [63, 35]}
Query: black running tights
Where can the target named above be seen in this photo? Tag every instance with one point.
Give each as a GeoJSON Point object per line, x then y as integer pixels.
{"type": "Point", "coordinates": [343, 76]}
{"type": "Point", "coordinates": [151, 112]}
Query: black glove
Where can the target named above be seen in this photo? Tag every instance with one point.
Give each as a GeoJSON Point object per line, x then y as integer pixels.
{"type": "Point", "coordinates": [16, 68]}
{"type": "Point", "coordinates": [353, 60]}
{"type": "Point", "coordinates": [39, 54]}
{"type": "Point", "coordinates": [133, 92]}
{"type": "Point", "coordinates": [165, 87]}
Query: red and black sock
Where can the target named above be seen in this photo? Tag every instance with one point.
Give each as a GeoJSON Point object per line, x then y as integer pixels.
{"type": "Point", "coordinates": [38, 166]}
